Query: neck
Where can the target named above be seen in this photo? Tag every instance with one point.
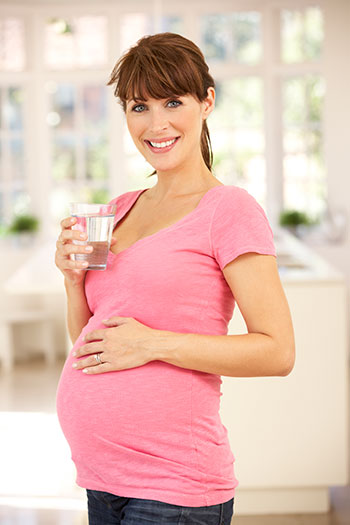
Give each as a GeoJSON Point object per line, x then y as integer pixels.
{"type": "Point", "coordinates": [182, 182]}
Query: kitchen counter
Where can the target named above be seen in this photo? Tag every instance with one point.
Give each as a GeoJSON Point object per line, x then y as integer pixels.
{"type": "Point", "coordinates": [298, 263]}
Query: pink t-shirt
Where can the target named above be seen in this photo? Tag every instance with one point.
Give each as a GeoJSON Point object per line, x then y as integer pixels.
{"type": "Point", "coordinates": [154, 431]}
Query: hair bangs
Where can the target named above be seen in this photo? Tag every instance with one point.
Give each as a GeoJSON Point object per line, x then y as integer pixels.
{"type": "Point", "coordinates": [160, 77]}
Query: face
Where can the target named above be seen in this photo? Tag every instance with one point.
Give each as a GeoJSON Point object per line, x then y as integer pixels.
{"type": "Point", "coordinates": [167, 131]}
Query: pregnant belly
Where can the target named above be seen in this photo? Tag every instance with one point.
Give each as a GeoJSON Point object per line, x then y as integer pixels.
{"type": "Point", "coordinates": [124, 407]}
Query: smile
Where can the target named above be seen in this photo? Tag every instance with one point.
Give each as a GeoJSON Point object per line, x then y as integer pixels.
{"type": "Point", "coordinates": [161, 147]}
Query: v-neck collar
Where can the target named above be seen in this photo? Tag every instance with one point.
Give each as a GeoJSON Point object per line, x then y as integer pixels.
{"type": "Point", "coordinates": [162, 230]}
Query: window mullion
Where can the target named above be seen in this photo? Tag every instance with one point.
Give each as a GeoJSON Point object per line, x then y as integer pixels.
{"type": "Point", "coordinates": [39, 147]}
{"type": "Point", "coordinates": [6, 164]}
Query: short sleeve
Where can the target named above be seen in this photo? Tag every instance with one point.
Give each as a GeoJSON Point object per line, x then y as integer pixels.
{"type": "Point", "coordinates": [239, 225]}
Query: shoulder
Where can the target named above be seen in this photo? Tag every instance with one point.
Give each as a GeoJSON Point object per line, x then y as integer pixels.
{"type": "Point", "coordinates": [235, 198]}
{"type": "Point", "coordinates": [232, 191]}
{"type": "Point", "coordinates": [237, 209]}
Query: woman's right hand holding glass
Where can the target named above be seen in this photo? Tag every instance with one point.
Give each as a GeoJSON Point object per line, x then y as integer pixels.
{"type": "Point", "coordinates": [73, 271]}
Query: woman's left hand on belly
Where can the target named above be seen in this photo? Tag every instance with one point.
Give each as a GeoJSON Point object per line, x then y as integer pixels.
{"type": "Point", "coordinates": [126, 343]}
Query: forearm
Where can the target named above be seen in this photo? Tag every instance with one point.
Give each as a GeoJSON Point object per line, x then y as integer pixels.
{"type": "Point", "coordinates": [246, 355]}
{"type": "Point", "coordinates": [78, 312]}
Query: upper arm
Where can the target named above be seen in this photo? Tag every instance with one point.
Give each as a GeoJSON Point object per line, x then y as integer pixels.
{"type": "Point", "coordinates": [256, 286]}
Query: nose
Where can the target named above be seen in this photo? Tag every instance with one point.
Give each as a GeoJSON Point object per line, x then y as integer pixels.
{"type": "Point", "coordinates": [158, 120]}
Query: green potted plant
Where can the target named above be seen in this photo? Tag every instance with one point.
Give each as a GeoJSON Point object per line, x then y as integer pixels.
{"type": "Point", "coordinates": [23, 229]}
{"type": "Point", "coordinates": [296, 221]}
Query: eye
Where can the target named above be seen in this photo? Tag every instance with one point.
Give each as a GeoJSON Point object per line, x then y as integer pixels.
{"type": "Point", "coordinates": [135, 108]}
{"type": "Point", "coordinates": [138, 108]}
{"type": "Point", "coordinates": [177, 102]}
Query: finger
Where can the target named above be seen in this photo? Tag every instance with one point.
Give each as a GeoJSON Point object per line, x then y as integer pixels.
{"type": "Point", "coordinates": [66, 259]}
{"type": "Point", "coordinates": [116, 320]}
{"type": "Point", "coordinates": [95, 335]}
{"type": "Point", "coordinates": [67, 222]}
{"type": "Point", "coordinates": [86, 362]}
{"type": "Point", "coordinates": [75, 248]}
{"type": "Point", "coordinates": [98, 369]}
{"type": "Point", "coordinates": [69, 235]}
{"type": "Point", "coordinates": [69, 264]}
{"type": "Point", "coordinates": [90, 348]}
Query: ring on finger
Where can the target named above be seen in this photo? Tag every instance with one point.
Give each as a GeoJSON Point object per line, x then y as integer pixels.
{"type": "Point", "coordinates": [98, 359]}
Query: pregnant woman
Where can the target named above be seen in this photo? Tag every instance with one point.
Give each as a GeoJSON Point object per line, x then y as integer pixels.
{"type": "Point", "coordinates": [139, 395]}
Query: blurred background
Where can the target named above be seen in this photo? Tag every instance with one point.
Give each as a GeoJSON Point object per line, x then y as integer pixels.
{"type": "Point", "coordinates": [280, 130]}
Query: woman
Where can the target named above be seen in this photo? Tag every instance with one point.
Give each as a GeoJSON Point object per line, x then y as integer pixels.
{"type": "Point", "coordinates": [139, 395]}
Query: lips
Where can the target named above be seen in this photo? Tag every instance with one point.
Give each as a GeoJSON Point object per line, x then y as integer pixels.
{"type": "Point", "coordinates": [164, 149]}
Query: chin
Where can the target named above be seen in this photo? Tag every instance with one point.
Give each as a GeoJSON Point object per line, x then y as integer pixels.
{"type": "Point", "coordinates": [159, 166]}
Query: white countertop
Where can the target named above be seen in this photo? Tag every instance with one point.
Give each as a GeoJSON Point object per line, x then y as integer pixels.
{"type": "Point", "coordinates": [297, 263]}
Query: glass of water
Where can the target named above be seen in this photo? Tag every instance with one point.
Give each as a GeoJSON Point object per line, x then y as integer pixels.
{"type": "Point", "coordinates": [97, 221]}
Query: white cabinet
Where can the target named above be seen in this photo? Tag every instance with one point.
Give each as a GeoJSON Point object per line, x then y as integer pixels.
{"type": "Point", "coordinates": [289, 435]}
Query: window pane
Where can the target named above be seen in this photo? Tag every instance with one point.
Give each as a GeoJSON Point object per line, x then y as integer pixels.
{"type": "Point", "coordinates": [314, 32]}
{"type": "Point", "coordinates": [304, 167]}
{"type": "Point", "coordinates": [294, 140]}
{"type": "Point", "coordinates": [60, 198]}
{"type": "Point", "coordinates": [77, 42]}
{"type": "Point", "coordinates": [63, 107]}
{"type": "Point", "coordinates": [98, 195]}
{"type": "Point", "coordinates": [96, 159]}
{"type": "Point", "coordinates": [302, 34]}
{"type": "Point", "coordinates": [12, 108]}
{"type": "Point", "coordinates": [78, 118]}
{"type": "Point", "coordinates": [247, 37]}
{"type": "Point", "coordinates": [20, 202]}
{"type": "Point", "coordinates": [238, 102]}
{"type": "Point", "coordinates": [17, 160]}
{"type": "Point", "coordinates": [63, 161]}
{"type": "Point", "coordinates": [133, 26]}
{"type": "Point", "coordinates": [236, 131]}
{"type": "Point", "coordinates": [13, 183]}
{"type": "Point", "coordinates": [95, 112]}
{"type": "Point", "coordinates": [173, 24]}
{"type": "Point", "coordinates": [303, 99]}
{"type": "Point", "coordinates": [12, 44]}
{"type": "Point", "coordinates": [232, 36]}
{"type": "Point", "coordinates": [294, 101]}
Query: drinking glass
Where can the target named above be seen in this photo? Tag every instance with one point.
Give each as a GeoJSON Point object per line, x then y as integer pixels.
{"type": "Point", "coordinates": [97, 221]}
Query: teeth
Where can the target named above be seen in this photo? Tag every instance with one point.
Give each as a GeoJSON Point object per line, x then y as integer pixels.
{"type": "Point", "coordinates": [162, 144]}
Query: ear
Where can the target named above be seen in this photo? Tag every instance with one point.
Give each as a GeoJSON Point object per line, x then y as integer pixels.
{"type": "Point", "coordinates": [208, 103]}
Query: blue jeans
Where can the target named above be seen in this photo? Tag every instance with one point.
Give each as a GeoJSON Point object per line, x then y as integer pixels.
{"type": "Point", "coordinates": [107, 509]}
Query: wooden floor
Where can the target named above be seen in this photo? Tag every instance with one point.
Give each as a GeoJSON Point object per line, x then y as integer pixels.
{"type": "Point", "coordinates": [30, 392]}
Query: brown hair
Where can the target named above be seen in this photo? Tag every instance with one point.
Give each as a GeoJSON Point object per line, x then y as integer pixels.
{"type": "Point", "coordinates": [160, 66]}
